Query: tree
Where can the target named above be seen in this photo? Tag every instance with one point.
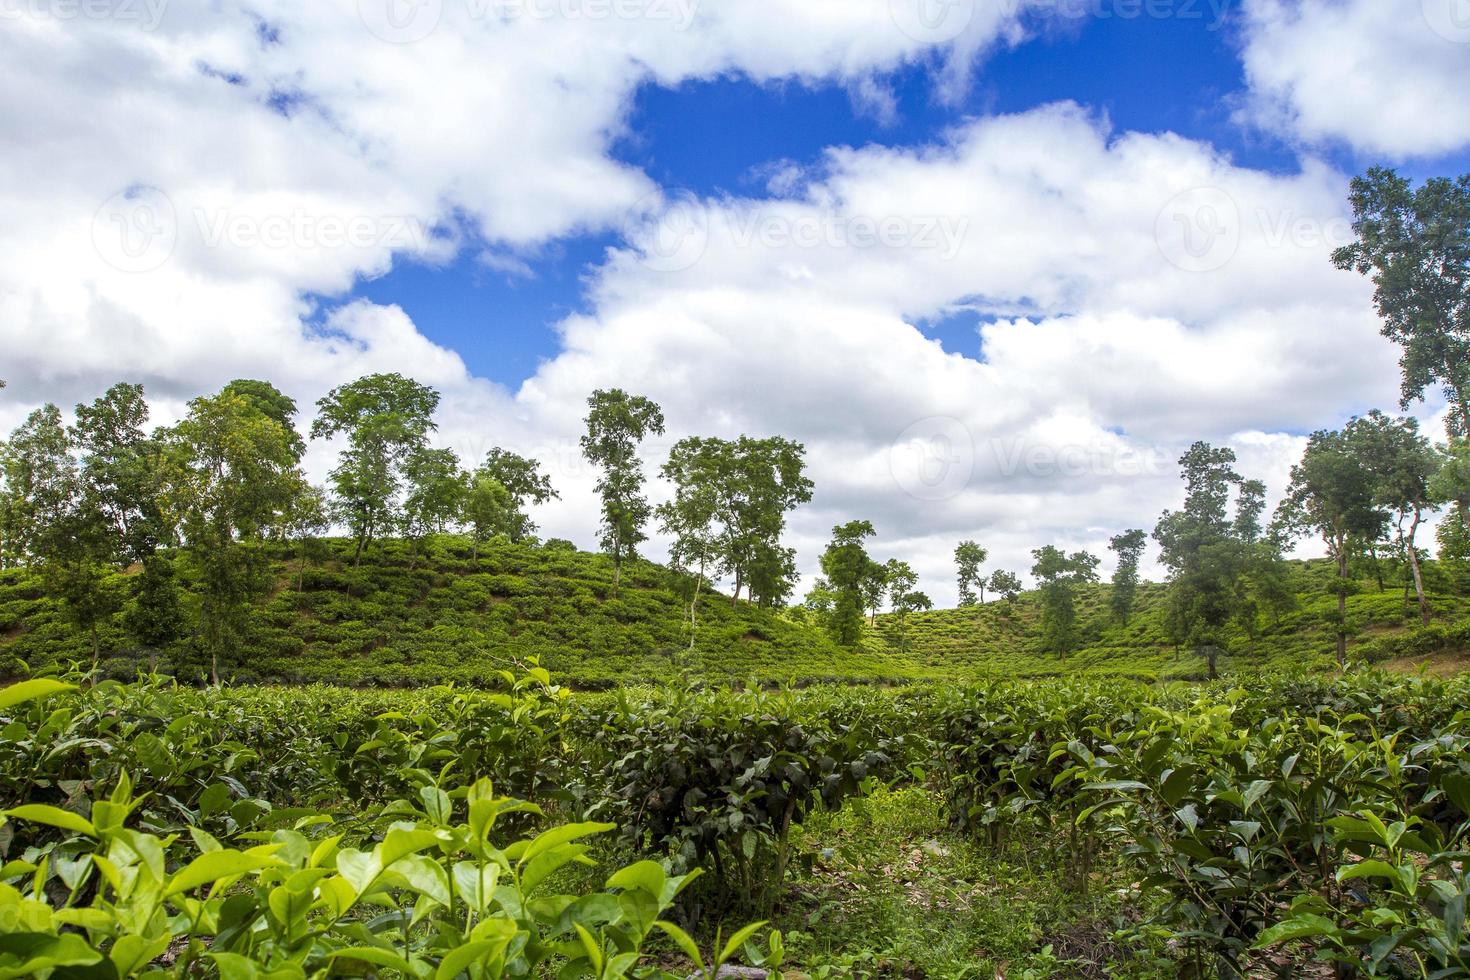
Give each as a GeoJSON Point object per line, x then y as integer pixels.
{"type": "Point", "coordinates": [1403, 465]}
{"type": "Point", "coordinates": [57, 525]}
{"type": "Point", "coordinates": [1005, 584]}
{"type": "Point", "coordinates": [524, 482]}
{"type": "Point", "coordinates": [969, 556]}
{"type": "Point", "coordinates": [1128, 546]}
{"type": "Point", "coordinates": [874, 589]}
{"type": "Point", "coordinates": [1211, 552]}
{"type": "Point", "coordinates": [901, 581]}
{"type": "Point", "coordinates": [847, 567]}
{"type": "Point", "coordinates": [305, 519]}
{"type": "Point", "coordinates": [386, 419]}
{"type": "Point", "coordinates": [435, 499]}
{"type": "Point", "coordinates": [694, 517]}
{"type": "Point", "coordinates": [1416, 246]}
{"type": "Point", "coordinates": [234, 473]}
{"type": "Point", "coordinates": [40, 481]}
{"type": "Point", "coordinates": [489, 510]}
{"type": "Point", "coordinates": [1333, 495]}
{"type": "Point", "coordinates": [759, 482]}
{"type": "Point", "coordinates": [616, 423]}
{"type": "Point", "coordinates": [120, 469]}
{"type": "Point", "coordinates": [155, 618]}
{"type": "Point", "coordinates": [1058, 575]}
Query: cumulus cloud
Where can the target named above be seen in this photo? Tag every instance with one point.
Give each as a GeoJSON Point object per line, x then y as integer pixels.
{"type": "Point", "coordinates": [1136, 291]}
{"type": "Point", "coordinates": [1387, 77]}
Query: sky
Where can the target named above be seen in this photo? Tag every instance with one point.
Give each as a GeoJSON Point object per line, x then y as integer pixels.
{"type": "Point", "coordinates": [995, 263]}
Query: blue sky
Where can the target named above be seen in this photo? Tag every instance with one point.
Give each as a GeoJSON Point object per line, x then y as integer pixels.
{"type": "Point", "coordinates": [715, 137]}
{"type": "Point", "coordinates": [1064, 336]}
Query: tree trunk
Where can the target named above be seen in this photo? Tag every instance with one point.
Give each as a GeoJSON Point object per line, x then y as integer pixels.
{"type": "Point", "coordinates": [982, 593]}
{"type": "Point", "coordinates": [694, 605]}
{"type": "Point", "coordinates": [1342, 579]}
{"type": "Point", "coordinates": [96, 649]}
{"type": "Point", "coordinates": [1418, 575]}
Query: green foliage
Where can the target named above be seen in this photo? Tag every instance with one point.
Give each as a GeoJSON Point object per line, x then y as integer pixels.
{"type": "Point", "coordinates": [850, 575]}
{"type": "Point", "coordinates": [1415, 243]}
{"type": "Point", "coordinates": [1057, 576]}
{"type": "Point", "coordinates": [616, 423]}
{"type": "Point", "coordinates": [968, 557]}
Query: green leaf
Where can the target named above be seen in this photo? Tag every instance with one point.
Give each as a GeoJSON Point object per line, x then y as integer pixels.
{"type": "Point", "coordinates": [1116, 785]}
{"type": "Point", "coordinates": [682, 940]}
{"type": "Point", "coordinates": [31, 690]}
{"type": "Point", "coordinates": [1368, 869]}
{"type": "Point", "coordinates": [733, 944]}
{"type": "Point", "coordinates": [209, 868]}
{"type": "Point", "coordinates": [379, 957]}
{"type": "Point", "coordinates": [1299, 927]}
{"type": "Point", "coordinates": [53, 817]}
{"type": "Point", "coordinates": [648, 876]}
{"type": "Point", "coordinates": [1457, 787]}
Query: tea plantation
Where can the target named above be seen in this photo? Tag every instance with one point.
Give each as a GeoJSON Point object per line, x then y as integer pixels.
{"type": "Point", "coordinates": [401, 619]}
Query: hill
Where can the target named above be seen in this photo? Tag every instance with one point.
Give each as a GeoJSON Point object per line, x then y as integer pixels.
{"type": "Point", "coordinates": [1004, 638]}
{"type": "Point", "coordinates": [452, 616]}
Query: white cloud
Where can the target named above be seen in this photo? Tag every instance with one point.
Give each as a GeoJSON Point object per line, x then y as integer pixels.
{"type": "Point", "coordinates": [1138, 291]}
{"type": "Point", "coordinates": [1386, 77]}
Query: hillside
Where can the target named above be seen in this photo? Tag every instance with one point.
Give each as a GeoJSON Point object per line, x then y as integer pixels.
{"type": "Point", "coordinates": [452, 617]}
{"type": "Point", "coordinates": [1004, 638]}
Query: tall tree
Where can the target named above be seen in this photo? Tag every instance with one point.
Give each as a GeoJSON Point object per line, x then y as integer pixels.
{"type": "Point", "coordinates": [616, 423]}
{"type": "Point", "coordinates": [436, 488]}
{"type": "Point", "coordinates": [1333, 495]}
{"type": "Point", "coordinates": [1415, 243]}
{"type": "Point", "coordinates": [1128, 546]}
{"type": "Point", "coordinates": [386, 419]}
{"type": "Point", "coordinates": [903, 597]}
{"type": "Point", "coordinates": [969, 556]}
{"type": "Point", "coordinates": [1209, 551]}
{"type": "Point", "coordinates": [40, 482]}
{"type": "Point", "coordinates": [760, 482]}
{"type": "Point", "coordinates": [847, 568]}
{"type": "Point", "coordinates": [121, 469]}
{"type": "Point", "coordinates": [1058, 575]}
{"type": "Point", "coordinates": [234, 472]}
{"type": "Point", "coordinates": [695, 517]}
{"type": "Point", "coordinates": [523, 480]}
{"type": "Point", "coordinates": [489, 510]}
{"type": "Point", "coordinates": [1403, 465]}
